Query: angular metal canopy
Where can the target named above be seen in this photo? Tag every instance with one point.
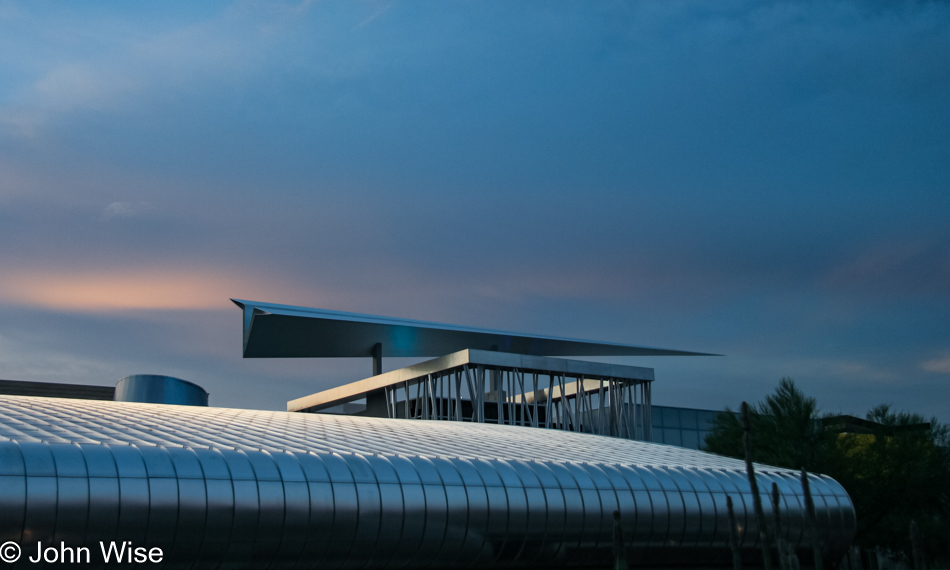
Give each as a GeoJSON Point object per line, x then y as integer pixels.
{"type": "Point", "coordinates": [284, 331]}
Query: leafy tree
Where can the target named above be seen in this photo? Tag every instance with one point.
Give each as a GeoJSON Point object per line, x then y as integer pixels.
{"type": "Point", "coordinates": [895, 466]}
{"type": "Point", "coordinates": [898, 473]}
{"type": "Point", "coordinates": [787, 427]}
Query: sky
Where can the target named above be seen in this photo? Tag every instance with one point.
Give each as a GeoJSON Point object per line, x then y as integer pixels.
{"type": "Point", "coordinates": [769, 181]}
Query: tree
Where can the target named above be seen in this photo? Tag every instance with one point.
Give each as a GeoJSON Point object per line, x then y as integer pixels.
{"type": "Point", "coordinates": [894, 465]}
{"type": "Point", "coordinates": [898, 473]}
{"type": "Point", "coordinates": [788, 431]}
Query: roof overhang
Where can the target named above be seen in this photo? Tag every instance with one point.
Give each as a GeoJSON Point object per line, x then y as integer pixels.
{"type": "Point", "coordinates": [285, 331]}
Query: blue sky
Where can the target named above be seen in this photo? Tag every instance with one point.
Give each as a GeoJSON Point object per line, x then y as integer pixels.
{"type": "Point", "coordinates": [769, 181]}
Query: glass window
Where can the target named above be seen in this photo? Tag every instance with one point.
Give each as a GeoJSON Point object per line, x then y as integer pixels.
{"type": "Point", "coordinates": [706, 419]}
{"type": "Point", "coordinates": [688, 419]}
{"type": "Point", "coordinates": [691, 439]}
{"type": "Point", "coordinates": [670, 417]}
{"type": "Point", "coordinates": [672, 437]}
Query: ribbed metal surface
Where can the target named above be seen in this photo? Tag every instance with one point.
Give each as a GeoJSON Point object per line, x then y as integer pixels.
{"type": "Point", "coordinates": [255, 489]}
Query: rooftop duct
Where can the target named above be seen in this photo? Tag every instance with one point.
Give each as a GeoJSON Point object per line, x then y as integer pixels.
{"type": "Point", "coordinates": [155, 389]}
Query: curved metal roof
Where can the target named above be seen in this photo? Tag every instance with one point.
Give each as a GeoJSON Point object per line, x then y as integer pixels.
{"type": "Point", "coordinates": [50, 420]}
{"type": "Point", "coordinates": [286, 331]}
{"type": "Point", "coordinates": [216, 487]}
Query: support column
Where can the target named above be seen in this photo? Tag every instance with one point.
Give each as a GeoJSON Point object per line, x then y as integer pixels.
{"type": "Point", "coordinates": [377, 405]}
{"type": "Point", "coordinates": [377, 359]}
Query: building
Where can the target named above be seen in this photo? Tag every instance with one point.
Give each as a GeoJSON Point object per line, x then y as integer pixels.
{"type": "Point", "coordinates": [449, 487]}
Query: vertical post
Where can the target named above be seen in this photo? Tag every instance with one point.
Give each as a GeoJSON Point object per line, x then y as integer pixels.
{"type": "Point", "coordinates": [601, 424]}
{"type": "Point", "coordinates": [377, 359]}
{"type": "Point", "coordinates": [612, 395]}
{"type": "Point", "coordinates": [536, 385]}
{"type": "Point", "coordinates": [647, 404]}
{"type": "Point", "coordinates": [496, 379]}
{"type": "Point", "coordinates": [580, 399]}
{"type": "Point", "coordinates": [756, 499]}
{"type": "Point", "coordinates": [480, 380]}
{"type": "Point", "coordinates": [433, 395]}
{"type": "Point", "coordinates": [637, 433]}
{"type": "Point", "coordinates": [810, 522]}
{"type": "Point", "coordinates": [458, 395]}
{"type": "Point", "coordinates": [733, 536]}
{"type": "Point", "coordinates": [510, 397]}
{"type": "Point", "coordinates": [524, 404]}
{"type": "Point", "coordinates": [549, 405]}
{"type": "Point", "coordinates": [561, 403]}
{"type": "Point", "coordinates": [471, 391]}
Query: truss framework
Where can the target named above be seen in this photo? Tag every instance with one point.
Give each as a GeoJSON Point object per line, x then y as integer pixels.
{"type": "Point", "coordinates": [508, 389]}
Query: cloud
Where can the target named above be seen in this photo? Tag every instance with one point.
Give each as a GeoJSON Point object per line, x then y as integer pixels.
{"type": "Point", "coordinates": [940, 365]}
{"type": "Point", "coordinates": [152, 288]}
{"type": "Point", "coordinates": [919, 267]}
{"type": "Point", "coordinates": [124, 210]}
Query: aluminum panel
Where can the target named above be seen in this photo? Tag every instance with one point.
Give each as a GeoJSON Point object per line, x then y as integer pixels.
{"type": "Point", "coordinates": [185, 463]}
{"type": "Point", "coordinates": [793, 508]}
{"type": "Point", "coordinates": [263, 465]}
{"type": "Point", "coordinates": [405, 471]}
{"type": "Point", "coordinates": [158, 463]}
{"type": "Point", "coordinates": [345, 510]}
{"type": "Point", "coordinates": [246, 513]}
{"type": "Point", "coordinates": [454, 546]}
{"type": "Point", "coordinates": [313, 467]}
{"type": "Point", "coordinates": [38, 459]}
{"type": "Point", "coordinates": [600, 501]}
{"type": "Point", "coordinates": [270, 525]}
{"type": "Point", "coordinates": [99, 461]}
{"type": "Point", "coordinates": [13, 504]}
{"type": "Point", "coordinates": [128, 461]}
{"type": "Point", "coordinates": [636, 511]}
{"type": "Point", "coordinates": [368, 519]}
{"type": "Point", "coordinates": [682, 508]}
{"type": "Point", "coordinates": [707, 535]}
{"type": "Point", "coordinates": [69, 460]}
{"type": "Point", "coordinates": [192, 517]}
{"type": "Point", "coordinates": [392, 518]}
{"type": "Point", "coordinates": [736, 486]}
{"type": "Point", "coordinates": [220, 516]}
{"type": "Point", "coordinates": [477, 547]}
{"type": "Point", "coordinates": [40, 518]}
{"type": "Point", "coordinates": [72, 504]}
{"type": "Point", "coordinates": [383, 470]}
{"type": "Point", "coordinates": [296, 524]}
{"type": "Point", "coordinates": [133, 507]}
{"type": "Point", "coordinates": [239, 466]}
{"type": "Point", "coordinates": [11, 460]}
{"type": "Point", "coordinates": [320, 529]}
{"type": "Point", "coordinates": [537, 513]}
{"type": "Point", "coordinates": [162, 510]}
{"type": "Point", "coordinates": [414, 521]}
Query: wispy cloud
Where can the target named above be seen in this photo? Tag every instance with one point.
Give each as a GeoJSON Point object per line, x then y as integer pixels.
{"type": "Point", "coordinates": [125, 210]}
{"type": "Point", "coordinates": [151, 288]}
{"type": "Point", "coordinates": [939, 364]}
{"type": "Point", "coordinates": [911, 267]}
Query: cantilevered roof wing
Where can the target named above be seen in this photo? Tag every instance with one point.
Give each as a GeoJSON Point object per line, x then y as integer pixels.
{"type": "Point", "coordinates": [284, 331]}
